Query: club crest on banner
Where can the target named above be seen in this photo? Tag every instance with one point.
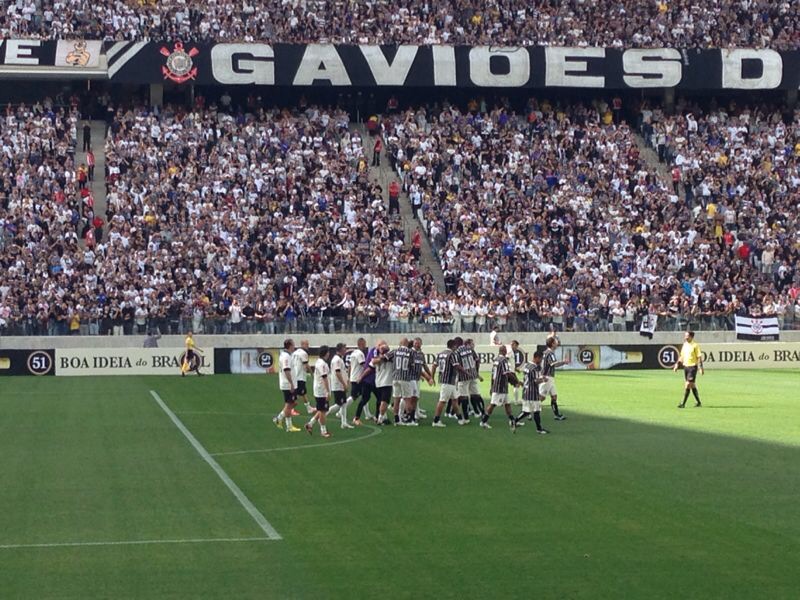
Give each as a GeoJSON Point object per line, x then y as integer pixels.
{"type": "Point", "coordinates": [180, 66]}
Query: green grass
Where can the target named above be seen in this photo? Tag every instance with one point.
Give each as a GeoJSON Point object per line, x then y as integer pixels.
{"type": "Point", "coordinates": [628, 498]}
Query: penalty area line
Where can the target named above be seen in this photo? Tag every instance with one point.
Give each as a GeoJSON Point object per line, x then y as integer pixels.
{"type": "Point", "coordinates": [256, 515]}
{"type": "Point", "coordinates": [135, 543]}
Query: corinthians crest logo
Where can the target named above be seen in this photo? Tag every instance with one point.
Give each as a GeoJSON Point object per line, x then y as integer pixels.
{"type": "Point", "coordinates": [180, 66]}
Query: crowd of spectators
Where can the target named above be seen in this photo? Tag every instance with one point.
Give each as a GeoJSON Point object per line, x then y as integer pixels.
{"type": "Point", "coordinates": [46, 215]}
{"type": "Point", "coordinates": [615, 23]}
{"type": "Point", "coordinates": [259, 220]}
{"type": "Point", "coordinates": [216, 222]}
{"type": "Point", "coordinates": [553, 215]}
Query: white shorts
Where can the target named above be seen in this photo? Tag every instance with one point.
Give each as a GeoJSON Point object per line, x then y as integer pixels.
{"type": "Point", "coordinates": [473, 388]}
{"type": "Point", "coordinates": [531, 407]}
{"type": "Point", "coordinates": [448, 392]}
{"type": "Point", "coordinates": [548, 388]}
{"type": "Point", "coordinates": [463, 388]}
{"type": "Point", "coordinates": [403, 389]}
{"type": "Point", "coordinates": [414, 389]}
{"type": "Point", "coordinates": [499, 399]}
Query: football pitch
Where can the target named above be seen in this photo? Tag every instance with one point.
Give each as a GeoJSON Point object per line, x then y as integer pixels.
{"type": "Point", "coordinates": [156, 487]}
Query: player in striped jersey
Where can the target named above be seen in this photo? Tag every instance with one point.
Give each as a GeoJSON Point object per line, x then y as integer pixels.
{"type": "Point", "coordinates": [339, 385]}
{"type": "Point", "coordinates": [549, 366]}
{"type": "Point", "coordinates": [421, 371]}
{"type": "Point", "coordinates": [502, 375]}
{"type": "Point", "coordinates": [465, 365]}
{"type": "Point", "coordinates": [531, 400]}
{"type": "Point", "coordinates": [475, 398]}
{"type": "Point", "coordinates": [448, 376]}
{"type": "Point", "coordinates": [403, 374]}
{"type": "Point", "coordinates": [517, 358]}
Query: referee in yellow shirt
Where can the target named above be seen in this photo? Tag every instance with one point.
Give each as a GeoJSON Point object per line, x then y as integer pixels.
{"type": "Point", "coordinates": [191, 361]}
{"type": "Point", "coordinates": [691, 359]}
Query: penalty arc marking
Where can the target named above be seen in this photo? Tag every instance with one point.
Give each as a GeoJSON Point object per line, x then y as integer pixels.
{"type": "Point", "coordinates": [375, 431]}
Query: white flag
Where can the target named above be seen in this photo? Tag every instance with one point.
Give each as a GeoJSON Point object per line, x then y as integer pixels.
{"type": "Point", "coordinates": [760, 329]}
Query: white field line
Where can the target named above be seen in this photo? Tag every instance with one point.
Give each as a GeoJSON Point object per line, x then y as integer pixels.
{"type": "Point", "coordinates": [135, 543]}
{"type": "Point", "coordinates": [262, 522]}
{"type": "Point", "coordinates": [375, 431]}
{"type": "Point", "coordinates": [217, 412]}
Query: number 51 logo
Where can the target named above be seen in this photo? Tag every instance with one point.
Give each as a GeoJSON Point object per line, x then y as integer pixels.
{"type": "Point", "coordinates": [668, 356]}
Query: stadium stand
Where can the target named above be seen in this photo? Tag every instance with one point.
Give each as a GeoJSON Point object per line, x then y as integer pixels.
{"type": "Point", "coordinates": [618, 23]}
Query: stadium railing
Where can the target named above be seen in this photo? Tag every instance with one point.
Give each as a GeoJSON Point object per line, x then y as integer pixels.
{"type": "Point", "coordinates": [375, 323]}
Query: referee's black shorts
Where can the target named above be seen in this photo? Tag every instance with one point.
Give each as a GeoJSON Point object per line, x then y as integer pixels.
{"type": "Point", "coordinates": [690, 374]}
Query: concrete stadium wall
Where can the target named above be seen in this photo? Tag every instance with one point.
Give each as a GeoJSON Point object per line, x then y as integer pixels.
{"type": "Point", "coordinates": [276, 341]}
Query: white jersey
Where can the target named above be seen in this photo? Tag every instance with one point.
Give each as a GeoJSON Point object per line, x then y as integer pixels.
{"type": "Point", "coordinates": [384, 374]}
{"type": "Point", "coordinates": [286, 380]}
{"type": "Point", "coordinates": [337, 367]}
{"type": "Point", "coordinates": [357, 360]}
{"type": "Point", "coordinates": [321, 373]}
{"type": "Point", "coordinates": [299, 363]}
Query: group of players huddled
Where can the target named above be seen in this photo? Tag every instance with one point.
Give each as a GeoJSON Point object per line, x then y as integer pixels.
{"type": "Point", "coordinates": [392, 376]}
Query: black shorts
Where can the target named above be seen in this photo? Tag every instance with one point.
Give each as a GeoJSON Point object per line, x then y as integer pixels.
{"type": "Point", "coordinates": [384, 394]}
{"type": "Point", "coordinates": [355, 389]}
{"type": "Point", "coordinates": [322, 404]}
{"type": "Point", "coordinates": [190, 356]}
{"type": "Point", "coordinates": [301, 388]}
{"type": "Point", "coordinates": [288, 396]}
{"type": "Point", "coordinates": [339, 397]}
{"type": "Point", "coordinates": [690, 374]}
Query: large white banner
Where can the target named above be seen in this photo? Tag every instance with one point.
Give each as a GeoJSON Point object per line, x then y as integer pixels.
{"type": "Point", "coordinates": [759, 329]}
{"type": "Point", "coordinates": [127, 361]}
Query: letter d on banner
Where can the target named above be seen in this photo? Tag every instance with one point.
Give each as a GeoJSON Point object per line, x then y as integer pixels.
{"type": "Point", "coordinates": [733, 67]}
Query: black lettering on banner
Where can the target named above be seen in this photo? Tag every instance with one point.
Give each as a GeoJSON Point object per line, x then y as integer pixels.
{"type": "Point", "coordinates": [370, 66]}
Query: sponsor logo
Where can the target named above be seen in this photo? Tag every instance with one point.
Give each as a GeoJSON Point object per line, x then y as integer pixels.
{"type": "Point", "coordinates": [668, 356]}
{"type": "Point", "coordinates": [180, 64]}
{"type": "Point", "coordinates": [264, 360]}
{"type": "Point", "coordinates": [39, 363]}
{"type": "Point", "coordinates": [586, 357]}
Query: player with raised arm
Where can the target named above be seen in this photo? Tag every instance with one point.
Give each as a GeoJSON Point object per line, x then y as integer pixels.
{"type": "Point", "coordinates": [384, 376]}
{"type": "Point", "coordinates": [531, 400]}
{"type": "Point", "coordinates": [322, 393]}
{"type": "Point", "coordinates": [339, 385]}
{"type": "Point", "coordinates": [301, 370]}
{"type": "Point", "coordinates": [287, 385]}
{"type": "Point", "coordinates": [401, 377]}
{"type": "Point", "coordinates": [502, 374]}
{"type": "Point", "coordinates": [549, 366]}
{"type": "Point", "coordinates": [367, 382]}
{"type": "Point", "coordinates": [691, 359]}
{"type": "Point", "coordinates": [448, 376]}
{"type": "Point", "coordinates": [191, 360]}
